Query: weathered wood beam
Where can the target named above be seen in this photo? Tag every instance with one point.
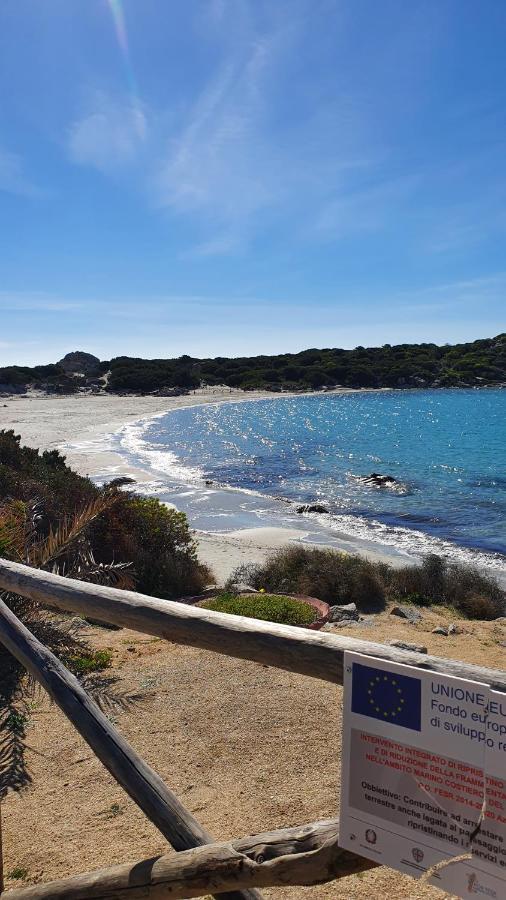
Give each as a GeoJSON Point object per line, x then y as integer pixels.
{"type": "Point", "coordinates": [1, 853]}
{"type": "Point", "coordinates": [138, 779]}
{"type": "Point", "coordinates": [317, 654]}
{"type": "Point", "coordinates": [294, 856]}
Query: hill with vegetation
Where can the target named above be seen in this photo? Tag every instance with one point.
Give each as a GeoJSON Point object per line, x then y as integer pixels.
{"type": "Point", "coordinates": [473, 364]}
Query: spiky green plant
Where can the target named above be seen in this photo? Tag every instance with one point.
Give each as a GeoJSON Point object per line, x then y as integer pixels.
{"type": "Point", "coordinates": [65, 550]}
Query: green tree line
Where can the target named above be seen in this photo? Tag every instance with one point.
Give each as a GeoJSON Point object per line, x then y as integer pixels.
{"type": "Point", "coordinates": [481, 362]}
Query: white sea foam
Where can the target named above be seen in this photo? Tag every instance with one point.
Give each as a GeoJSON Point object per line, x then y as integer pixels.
{"type": "Point", "coordinates": [132, 439]}
{"type": "Point", "coordinates": [407, 540]}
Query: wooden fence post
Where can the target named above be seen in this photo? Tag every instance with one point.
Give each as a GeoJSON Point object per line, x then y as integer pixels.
{"type": "Point", "coordinates": [1, 853]}
{"type": "Point", "coordinates": [138, 779]}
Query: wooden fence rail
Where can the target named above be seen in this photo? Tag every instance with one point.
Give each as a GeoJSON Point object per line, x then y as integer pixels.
{"type": "Point", "coordinates": [303, 856]}
{"type": "Point", "coordinates": [317, 654]}
{"type": "Point", "coordinates": [306, 855]}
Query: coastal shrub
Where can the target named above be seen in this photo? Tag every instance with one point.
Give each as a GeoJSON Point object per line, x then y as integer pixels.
{"type": "Point", "coordinates": [51, 518]}
{"type": "Point", "coordinates": [329, 575]}
{"type": "Point", "coordinates": [468, 590]}
{"type": "Point", "coordinates": [159, 542]}
{"type": "Point", "coordinates": [26, 474]}
{"type": "Point", "coordinates": [478, 606]}
{"type": "Point", "coordinates": [428, 579]}
{"type": "Point", "coordinates": [466, 585]}
{"type": "Point", "coordinates": [417, 599]}
{"type": "Point", "coordinates": [268, 607]}
{"type": "Point", "coordinates": [144, 533]}
{"type": "Point", "coordinates": [338, 578]}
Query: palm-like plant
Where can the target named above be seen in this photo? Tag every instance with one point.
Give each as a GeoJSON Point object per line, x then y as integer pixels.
{"type": "Point", "coordinates": [65, 550]}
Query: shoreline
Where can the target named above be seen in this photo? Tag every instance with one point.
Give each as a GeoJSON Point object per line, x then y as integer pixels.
{"type": "Point", "coordinates": [81, 428]}
{"type": "Point", "coordinates": [31, 415]}
{"type": "Point", "coordinates": [62, 423]}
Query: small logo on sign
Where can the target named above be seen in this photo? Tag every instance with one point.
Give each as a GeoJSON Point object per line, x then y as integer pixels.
{"type": "Point", "coordinates": [371, 836]}
{"type": "Point", "coordinates": [392, 698]}
{"type": "Point", "coordinates": [417, 854]}
{"type": "Point", "coordinates": [474, 887]}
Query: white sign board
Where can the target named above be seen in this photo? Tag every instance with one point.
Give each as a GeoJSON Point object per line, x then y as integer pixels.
{"type": "Point", "coordinates": [424, 761]}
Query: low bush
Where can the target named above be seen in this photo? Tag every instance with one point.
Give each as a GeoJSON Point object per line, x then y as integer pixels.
{"type": "Point", "coordinates": [479, 606]}
{"type": "Point", "coordinates": [158, 541]}
{"type": "Point", "coordinates": [154, 540]}
{"type": "Point", "coordinates": [340, 578]}
{"type": "Point", "coordinates": [268, 607]}
{"type": "Point", "coordinates": [319, 572]}
{"type": "Point", "coordinates": [466, 589]}
{"type": "Point", "coordinates": [90, 661]}
{"type": "Point", "coordinates": [417, 599]}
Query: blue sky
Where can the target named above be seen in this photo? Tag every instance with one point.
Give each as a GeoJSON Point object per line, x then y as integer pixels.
{"type": "Point", "coordinates": [225, 177]}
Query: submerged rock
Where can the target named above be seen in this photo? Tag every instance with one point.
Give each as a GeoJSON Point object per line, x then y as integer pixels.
{"type": "Point", "coordinates": [312, 507]}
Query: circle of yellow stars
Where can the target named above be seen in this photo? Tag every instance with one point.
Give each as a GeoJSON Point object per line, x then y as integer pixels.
{"type": "Point", "coordinates": [374, 683]}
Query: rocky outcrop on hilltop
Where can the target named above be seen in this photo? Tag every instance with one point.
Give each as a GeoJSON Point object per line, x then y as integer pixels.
{"type": "Point", "coordinates": [80, 363]}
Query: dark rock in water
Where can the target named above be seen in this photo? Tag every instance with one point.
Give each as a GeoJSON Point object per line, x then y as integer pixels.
{"type": "Point", "coordinates": [379, 480]}
{"type": "Point", "coordinates": [405, 645]}
{"type": "Point", "coordinates": [208, 481]}
{"type": "Point", "coordinates": [312, 507]}
{"type": "Point", "coordinates": [406, 612]}
{"type": "Point", "coordinates": [347, 611]}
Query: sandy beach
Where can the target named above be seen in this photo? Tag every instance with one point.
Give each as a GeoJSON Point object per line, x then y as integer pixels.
{"type": "Point", "coordinates": [78, 425]}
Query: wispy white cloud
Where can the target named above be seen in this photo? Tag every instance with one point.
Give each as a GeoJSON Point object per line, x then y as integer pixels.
{"type": "Point", "coordinates": [220, 164]}
{"type": "Point", "coordinates": [109, 136]}
{"type": "Point", "coordinates": [269, 134]}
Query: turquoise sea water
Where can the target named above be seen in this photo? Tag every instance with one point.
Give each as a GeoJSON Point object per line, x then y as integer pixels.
{"type": "Point", "coordinates": [446, 449]}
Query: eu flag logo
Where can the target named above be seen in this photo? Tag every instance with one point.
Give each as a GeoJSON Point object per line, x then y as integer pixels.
{"type": "Point", "coordinates": [392, 698]}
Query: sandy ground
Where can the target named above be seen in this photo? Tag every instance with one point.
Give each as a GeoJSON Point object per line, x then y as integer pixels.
{"type": "Point", "coordinates": [246, 748]}
{"type": "Point", "coordinates": [223, 553]}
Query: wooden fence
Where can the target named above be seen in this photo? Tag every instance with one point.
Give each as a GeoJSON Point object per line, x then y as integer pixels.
{"type": "Point", "coordinates": [309, 854]}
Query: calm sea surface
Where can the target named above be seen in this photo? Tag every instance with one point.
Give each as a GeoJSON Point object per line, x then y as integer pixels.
{"type": "Point", "coordinates": [445, 448]}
